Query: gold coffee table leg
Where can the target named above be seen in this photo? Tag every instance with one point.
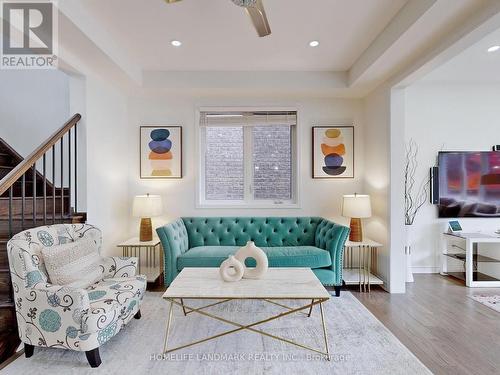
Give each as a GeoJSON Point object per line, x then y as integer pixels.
{"type": "Point", "coordinates": [249, 327]}
{"type": "Point", "coordinates": [311, 309]}
{"type": "Point", "coordinates": [169, 321]}
{"type": "Point", "coordinates": [183, 308]}
{"type": "Point", "coordinates": [324, 331]}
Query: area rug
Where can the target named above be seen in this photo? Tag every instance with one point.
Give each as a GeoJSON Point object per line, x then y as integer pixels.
{"type": "Point", "coordinates": [359, 342]}
{"type": "Point", "coordinates": [492, 301]}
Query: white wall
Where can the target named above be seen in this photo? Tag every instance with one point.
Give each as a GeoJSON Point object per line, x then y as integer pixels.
{"type": "Point", "coordinates": [108, 157]}
{"type": "Point", "coordinates": [377, 177]}
{"type": "Point", "coordinates": [447, 117]}
{"type": "Point", "coordinates": [384, 138]}
{"type": "Point", "coordinates": [34, 103]}
{"type": "Point", "coordinates": [317, 197]}
{"type": "Point", "coordinates": [78, 104]}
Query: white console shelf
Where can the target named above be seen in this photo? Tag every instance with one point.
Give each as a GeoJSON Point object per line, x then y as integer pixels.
{"type": "Point", "coordinates": [472, 257]}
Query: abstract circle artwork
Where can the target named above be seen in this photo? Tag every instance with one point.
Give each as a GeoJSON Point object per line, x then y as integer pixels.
{"type": "Point", "coordinates": [161, 153]}
{"type": "Point", "coordinates": [333, 152]}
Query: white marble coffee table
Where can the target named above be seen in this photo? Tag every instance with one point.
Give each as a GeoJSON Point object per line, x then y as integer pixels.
{"type": "Point", "coordinates": [278, 284]}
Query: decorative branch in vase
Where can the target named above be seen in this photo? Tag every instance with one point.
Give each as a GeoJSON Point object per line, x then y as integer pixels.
{"type": "Point", "coordinates": [415, 197]}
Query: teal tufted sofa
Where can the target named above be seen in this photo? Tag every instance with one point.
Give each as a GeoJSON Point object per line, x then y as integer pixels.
{"type": "Point", "coordinates": [288, 242]}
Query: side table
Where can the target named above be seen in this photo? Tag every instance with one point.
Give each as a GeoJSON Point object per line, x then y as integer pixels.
{"type": "Point", "coordinates": [149, 254]}
{"type": "Point", "coordinates": [367, 260]}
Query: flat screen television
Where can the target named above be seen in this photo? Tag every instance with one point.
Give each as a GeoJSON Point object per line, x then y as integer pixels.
{"type": "Point", "coordinates": [469, 184]}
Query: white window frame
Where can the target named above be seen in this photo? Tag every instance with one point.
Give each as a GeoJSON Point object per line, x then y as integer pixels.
{"type": "Point", "coordinates": [248, 201]}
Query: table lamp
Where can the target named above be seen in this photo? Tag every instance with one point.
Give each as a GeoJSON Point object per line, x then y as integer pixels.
{"type": "Point", "coordinates": [357, 207]}
{"type": "Point", "coordinates": [146, 207]}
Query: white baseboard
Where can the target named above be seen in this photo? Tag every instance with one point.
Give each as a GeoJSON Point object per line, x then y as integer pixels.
{"type": "Point", "coordinates": [425, 269]}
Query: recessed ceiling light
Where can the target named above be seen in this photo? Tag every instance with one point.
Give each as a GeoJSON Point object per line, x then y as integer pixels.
{"type": "Point", "coordinates": [176, 43]}
{"type": "Point", "coordinates": [493, 48]}
{"type": "Point", "coordinates": [313, 43]}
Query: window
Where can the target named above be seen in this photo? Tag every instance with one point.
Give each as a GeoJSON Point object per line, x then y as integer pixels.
{"type": "Point", "coordinates": [224, 169]}
{"type": "Point", "coordinates": [247, 158]}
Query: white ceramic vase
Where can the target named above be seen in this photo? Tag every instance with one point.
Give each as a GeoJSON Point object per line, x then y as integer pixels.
{"type": "Point", "coordinates": [409, 269]}
{"type": "Point", "coordinates": [231, 269]}
{"type": "Point", "coordinates": [252, 251]}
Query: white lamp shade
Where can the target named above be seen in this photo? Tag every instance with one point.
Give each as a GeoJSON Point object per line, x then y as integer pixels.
{"type": "Point", "coordinates": [147, 206]}
{"type": "Point", "coordinates": [356, 206]}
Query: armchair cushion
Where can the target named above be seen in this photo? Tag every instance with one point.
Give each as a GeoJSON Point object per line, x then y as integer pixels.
{"type": "Point", "coordinates": [74, 263]}
{"type": "Point", "coordinates": [112, 301]}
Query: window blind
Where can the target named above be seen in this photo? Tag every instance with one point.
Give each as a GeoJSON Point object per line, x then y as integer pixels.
{"type": "Point", "coordinates": [248, 118]}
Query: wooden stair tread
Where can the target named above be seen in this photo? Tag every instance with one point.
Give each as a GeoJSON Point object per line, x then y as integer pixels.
{"type": "Point", "coordinates": [6, 304]}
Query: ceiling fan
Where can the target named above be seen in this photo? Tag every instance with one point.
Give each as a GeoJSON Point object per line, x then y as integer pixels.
{"type": "Point", "coordinates": [255, 9]}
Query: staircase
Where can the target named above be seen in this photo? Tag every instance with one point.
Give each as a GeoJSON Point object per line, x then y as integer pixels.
{"type": "Point", "coordinates": [38, 190]}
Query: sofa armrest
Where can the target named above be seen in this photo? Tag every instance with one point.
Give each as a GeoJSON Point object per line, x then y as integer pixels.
{"type": "Point", "coordinates": [119, 267]}
{"type": "Point", "coordinates": [174, 239]}
{"type": "Point", "coordinates": [332, 237]}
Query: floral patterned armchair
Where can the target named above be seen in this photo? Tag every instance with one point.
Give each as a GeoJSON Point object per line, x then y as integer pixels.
{"type": "Point", "coordinates": [64, 317]}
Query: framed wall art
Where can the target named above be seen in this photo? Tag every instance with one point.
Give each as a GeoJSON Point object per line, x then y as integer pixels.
{"type": "Point", "coordinates": [160, 152]}
{"type": "Point", "coordinates": [333, 151]}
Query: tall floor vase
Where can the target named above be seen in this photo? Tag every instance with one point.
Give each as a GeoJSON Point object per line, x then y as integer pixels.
{"type": "Point", "coordinates": [409, 267]}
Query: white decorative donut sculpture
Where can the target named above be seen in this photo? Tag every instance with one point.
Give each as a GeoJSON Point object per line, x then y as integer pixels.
{"type": "Point", "coordinates": [231, 269]}
{"type": "Point", "coordinates": [252, 251]}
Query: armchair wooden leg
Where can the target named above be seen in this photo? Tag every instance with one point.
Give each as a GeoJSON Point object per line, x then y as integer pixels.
{"type": "Point", "coordinates": [93, 357]}
{"type": "Point", "coordinates": [138, 314]}
{"type": "Point", "coordinates": [28, 350]}
{"type": "Point", "coordinates": [337, 290]}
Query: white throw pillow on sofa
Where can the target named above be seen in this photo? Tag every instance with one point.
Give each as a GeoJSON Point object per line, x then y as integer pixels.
{"type": "Point", "coordinates": [77, 264]}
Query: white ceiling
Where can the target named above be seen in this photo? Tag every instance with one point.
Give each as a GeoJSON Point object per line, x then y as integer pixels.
{"type": "Point", "coordinates": [473, 65]}
{"type": "Point", "coordinates": [218, 36]}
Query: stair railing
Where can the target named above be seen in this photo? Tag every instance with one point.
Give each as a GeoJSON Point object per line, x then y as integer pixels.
{"type": "Point", "coordinates": [67, 160]}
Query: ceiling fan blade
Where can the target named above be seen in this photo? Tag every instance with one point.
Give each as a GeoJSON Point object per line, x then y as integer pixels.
{"type": "Point", "coordinates": [259, 19]}
{"type": "Point", "coordinates": [171, 1]}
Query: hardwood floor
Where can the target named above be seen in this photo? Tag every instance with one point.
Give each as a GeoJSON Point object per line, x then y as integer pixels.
{"type": "Point", "coordinates": [448, 331]}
